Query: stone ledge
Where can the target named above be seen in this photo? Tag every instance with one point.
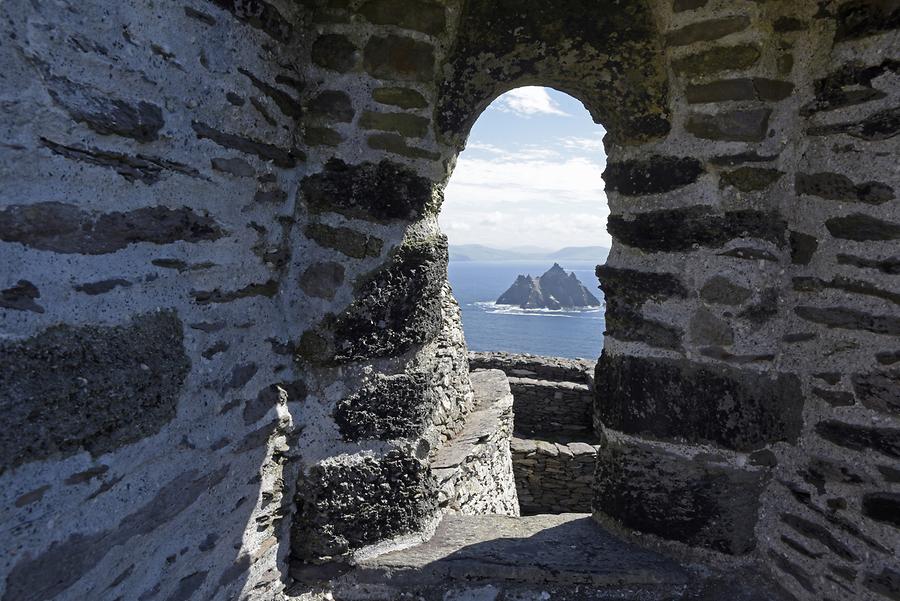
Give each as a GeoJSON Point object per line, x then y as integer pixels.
{"type": "Point", "coordinates": [546, 408]}
{"type": "Point", "coordinates": [554, 369]}
{"type": "Point", "coordinates": [553, 477]}
{"type": "Point", "coordinates": [474, 470]}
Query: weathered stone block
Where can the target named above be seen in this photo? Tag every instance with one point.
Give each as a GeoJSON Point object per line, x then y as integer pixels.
{"type": "Point", "coordinates": [382, 192]}
{"type": "Point", "coordinates": [654, 175]}
{"type": "Point", "coordinates": [90, 388]}
{"type": "Point", "coordinates": [65, 228]}
{"type": "Point", "coordinates": [386, 408]}
{"type": "Point", "coordinates": [259, 14]}
{"type": "Point", "coordinates": [861, 438]}
{"type": "Point", "coordinates": [397, 307]}
{"type": "Point", "coordinates": [285, 158]}
{"type": "Point", "coordinates": [321, 136]}
{"type": "Point", "coordinates": [322, 279]}
{"type": "Point", "coordinates": [403, 97]}
{"type": "Point", "coordinates": [742, 125]}
{"type": "Point", "coordinates": [704, 31]}
{"type": "Point", "coordinates": [395, 144]}
{"type": "Point", "coordinates": [723, 58]}
{"type": "Point", "coordinates": [21, 297]}
{"type": "Point", "coordinates": [139, 120]}
{"type": "Point", "coordinates": [849, 85]}
{"type": "Point", "coordinates": [334, 51]}
{"type": "Point", "coordinates": [343, 239]}
{"type": "Point", "coordinates": [881, 125]}
{"type": "Point", "coordinates": [862, 228]}
{"type": "Point", "coordinates": [835, 186]}
{"type": "Point", "coordinates": [419, 15]}
{"type": "Point", "coordinates": [345, 505]}
{"type": "Point", "coordinates": [683, 229]}
{"type": "Point", "coordinates": [719, 290]}
{"type": "Point", "coordinates": [331, 105]}
{"type": "Point", "coordinates": [410, 126]}
{"type": "Point", "coordinates": [750, 179]}
{"type": "Point", "coordinates": [395, 57]}
{"type": "Point", "coordinates": [862, 18]}
{"type": "Point", "coordinates": [743, 88]}
{"type": "Point", "coordinates": [702, 500]}
{"type": "Point", "coordinates": [676, 399]}
{"type": "Point", "coordinates": [803, 247]}
{"type": "Point", "coordinates": [879, 391]}
{"type": "Point", "coordinates": [882, 507]}
{"type": "Point", "coordinates": [850, 319]}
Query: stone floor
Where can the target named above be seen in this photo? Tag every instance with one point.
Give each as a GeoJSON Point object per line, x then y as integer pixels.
{"type": "Point", "coordinates": [566, 557]}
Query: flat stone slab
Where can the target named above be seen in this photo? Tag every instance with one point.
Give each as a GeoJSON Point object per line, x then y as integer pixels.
{"type": "Point", "coordinates": [568, 555]}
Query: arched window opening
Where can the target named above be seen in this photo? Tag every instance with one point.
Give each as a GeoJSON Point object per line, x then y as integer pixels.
{"type": "Point", "coordinates": [525, 214]}
{"type": "Point", "coordinates": [526, 199]}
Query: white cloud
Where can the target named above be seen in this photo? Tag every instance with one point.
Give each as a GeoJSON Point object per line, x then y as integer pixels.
{"type": "Point", "coordinates": [583, 144]}
{"type": "Point", "coordinates": [528, 101]}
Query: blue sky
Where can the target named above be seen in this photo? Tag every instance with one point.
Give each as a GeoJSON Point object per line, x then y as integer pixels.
{"type": "Point", "coordinates": [530, 176]}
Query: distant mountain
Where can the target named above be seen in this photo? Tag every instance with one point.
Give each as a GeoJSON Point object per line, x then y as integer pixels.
{"type": "Point", "coordinates": [479, 252]}
{"type": "Point", "coordinates": [554, 290]}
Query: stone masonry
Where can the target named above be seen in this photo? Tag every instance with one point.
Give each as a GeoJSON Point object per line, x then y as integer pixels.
{"type": "Point", "coordinates": [228, 343]}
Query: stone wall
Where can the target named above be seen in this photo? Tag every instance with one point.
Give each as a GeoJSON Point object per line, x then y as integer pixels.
{"type": "Point", "coordinates": [553, 396]}
{"type": "Point", "coordinates": [554, 477]}
{"type": "Point", "coordinates": [220, 248]}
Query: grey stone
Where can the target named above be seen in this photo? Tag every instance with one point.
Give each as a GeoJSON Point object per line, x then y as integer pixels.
{"type": "Point", "coordinates": [322, 279]}
{"type": "Point", "coordinates": [107, 115]}
{"type": "Point", "coordinates": [742, 125]}
{"type": "Point", "coordinates": [102, 391]}
{"type": "Point", "coordinates": [400, 58]}
{"type": "Point", "coordinates": [334, 51]}
{"type": "Point", "coordinates": [720, 290]}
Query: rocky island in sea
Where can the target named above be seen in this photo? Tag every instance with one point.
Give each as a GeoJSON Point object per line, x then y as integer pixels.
{"type": "Point", "coordinates": [556, 289]}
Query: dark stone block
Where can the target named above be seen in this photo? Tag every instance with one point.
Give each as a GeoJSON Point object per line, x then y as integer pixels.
{"type": "Point", "coordinates": [879, 391]}
{"type": "Point", "coordinates": [344, 240]}
{"type": "Point", "coordinates": [395, 57]}
{"type": "Point", "coordinates": [259, 14]}
{"type": "Point", "coordinates": [861, 438]}
{"type": "Point", "coordinates": [105, 115]}
{"type": "Point", "coordinates": [387, 408]}
{"type": "Point", "coordinates": [803, 247]}
{"type": "Point", "coordinates": [396, 144]}
{"type": "Point", "coordinates": [820, 471]}
{"type": "Point", "coordinates": [742, 125]}
{"type": "Point", "coordinates": [848, 86]}
{"type": "Point", "coordinates": [708, 329]}
{"type": "Point", "coordinates": [722, 58]}
{"type": "Point", "coordinates": [334, 51]}
{"type": "Point", "coordinates": [851, 319]}
{"type": "Point", "coordinates": [681, 229]}
{"type": "Point", "coordinates": [269, 288]}
{"type": "Point", "coordinates": [886, 584]}
{"type": "Point", "coordinates": [750, 179]}
{"type": "Point", "coordinates": [321, 136]}
{"type": "Point", "coordinates": [419, 15]}
{"type": "Point", "coordinates": [134, 168]}
{"type": "Point", "coordinates": [65, 228]}
{"type": "Point", "coordinates": [49, 574]}
{"type": "Point", "coordinates": [881, 125]}
{"type": "Point", "coordinates": [834, 186]}
{"type": "Point", "coordinates": [322, 279]}
{"type": "Point", "coordinates": [809, 284]}
{"type": "Point", "coordinates": [744, 88]}
{"type": "Point", "coordinates": [286, 103]}
{"type": "Point", "coordinates": [403, 97]}
{"type": "Point", "coordinates": [698, 501]}
{"type": "Point", "coordinates": [382, 192]}
{"type": "Point", "coordinates": [654, 175]}
{"type": "Point", "coordinates": [793, 570]}
{"type": "Point", "coordinates": [331, 105]}
{"type": "Point", "coordinates": [103, 286]}
{"type": "Point", "coordinates": [346, 506]}
{"type": "Point", "coordinates": [863, 18]}
{"type": "Point", "coordinates": [235, 166]}
{"type": "Point", "coordinates": [764, 309]}
{"type": "Point", "coordinates": [677, 399]}
{"type": "Point", "coordinates": [625, 291]}
{"type": "Point", "coordinates": [882, 507]}
{"type": "Point", "coordinates": [704, 31]}
{"type": "Point", "coordinates": [679, 6]}
{"type": "Point", "coordinates": [890, 266]}
{"type": "Point", "coordinates": [862, 228]}
{"type": "Point", "coordinates": [835, 398]}
{"type": "Point", "coordinates": [817, 532]}
{"type": "Point", "coordinates": [789, 24]}
{"type": "Point", "coordinates": [397, 307]}
{"type": "Point", "coordinates": [21, 297]}
{"type": "Point", "coordinates": [719, 290]}
{"type": "Point", "coordinates": [267, 152]}
{"type": "Point", "coordinates": [405, 124]}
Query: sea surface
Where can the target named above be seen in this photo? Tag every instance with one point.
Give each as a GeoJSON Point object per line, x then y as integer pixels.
{"type": "Point", "coordinates": [491, 327]}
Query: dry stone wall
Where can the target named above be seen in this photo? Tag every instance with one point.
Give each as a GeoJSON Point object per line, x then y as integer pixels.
{"type": "Point", "coordinates": [554, 477]}
{"type": "Point", "coordinates": [219, 242]}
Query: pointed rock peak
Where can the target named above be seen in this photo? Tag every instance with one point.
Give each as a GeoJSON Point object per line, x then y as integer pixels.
{"type": "Point", "coordinates": [557, 268]}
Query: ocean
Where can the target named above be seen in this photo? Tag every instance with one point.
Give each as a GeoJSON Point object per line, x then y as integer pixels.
{"type": "Point", "coordinates": [489, 327]}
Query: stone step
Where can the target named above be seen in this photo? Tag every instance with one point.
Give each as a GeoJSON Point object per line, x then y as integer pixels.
{"type": "Point", "coordinates": [565, 557]}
